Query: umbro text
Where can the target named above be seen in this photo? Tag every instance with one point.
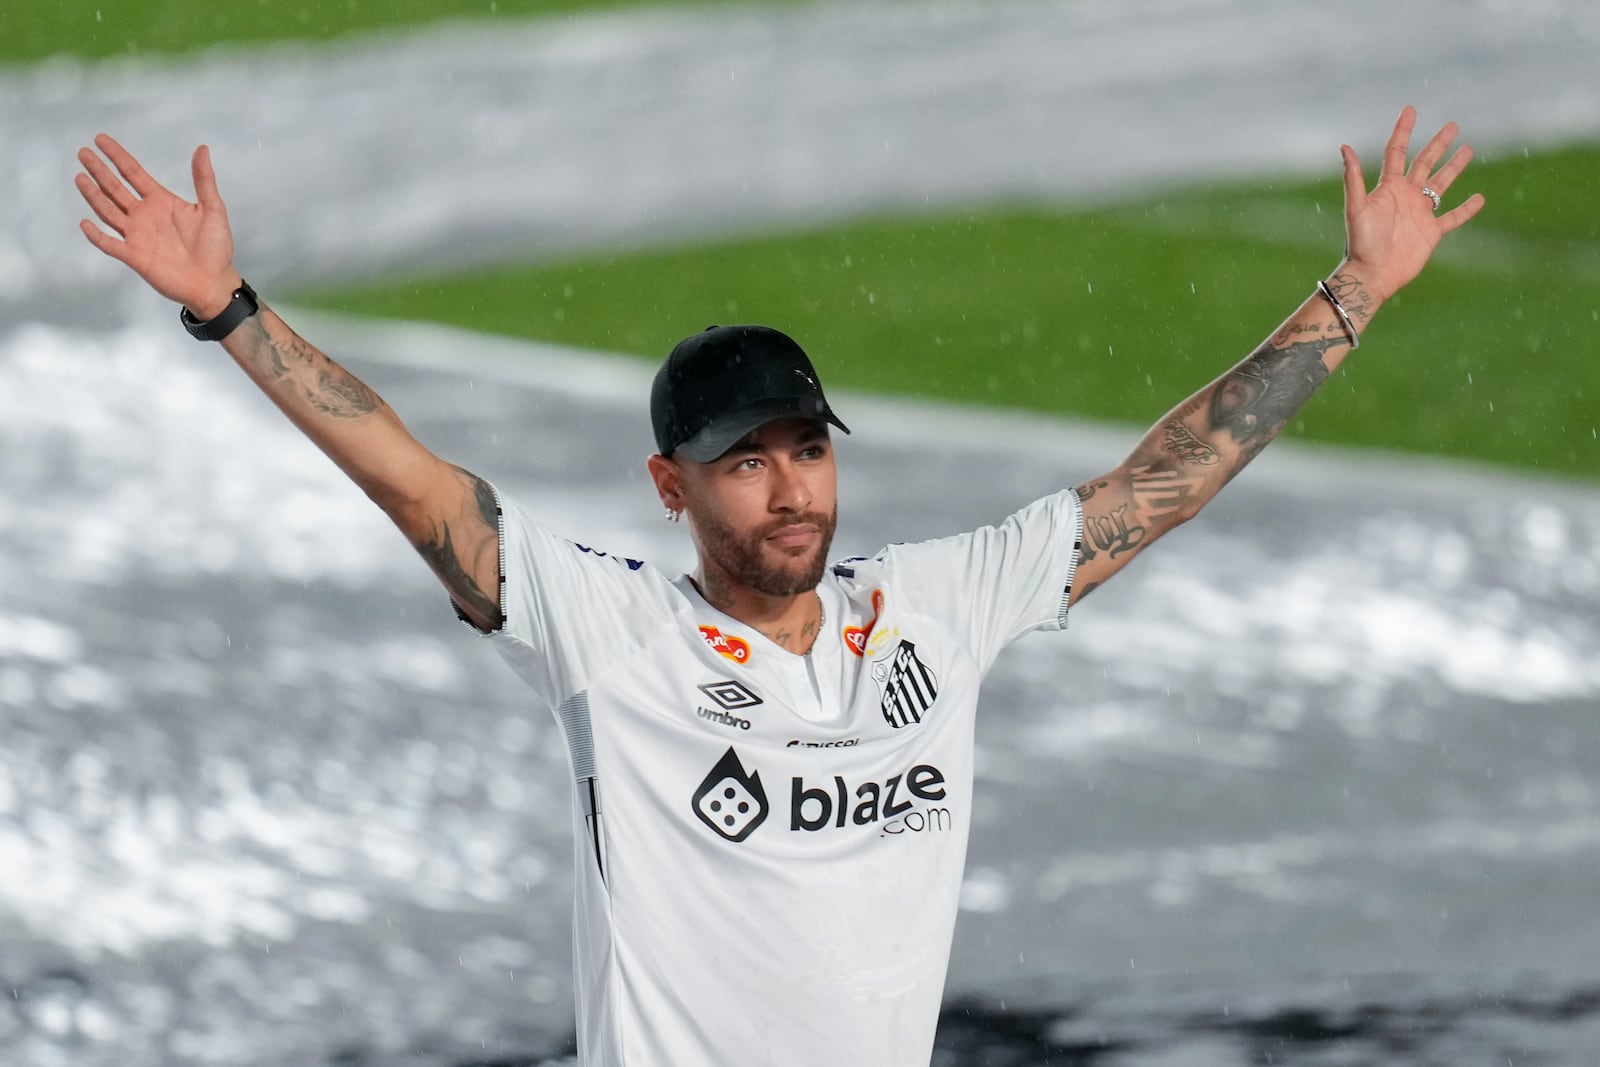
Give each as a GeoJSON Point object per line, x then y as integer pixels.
{"type": "Point", "coordinates": [723, 717]}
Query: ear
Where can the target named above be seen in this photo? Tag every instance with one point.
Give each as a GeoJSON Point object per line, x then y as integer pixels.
{"type": "Point", "coordinates": [668, 479]}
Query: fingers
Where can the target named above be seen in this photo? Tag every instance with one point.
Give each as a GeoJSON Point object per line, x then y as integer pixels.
{"type": "Point", "coordinates": [101, 205]}
{"type": "Point", "coordinates": [1441, 182]}
{"type": "Point", "coordinates": [205, 181]}
{"type": "Point", "coordinates": [1394, 153]}
{"type": "Point", "coordinates": [112, 247]}
{"type": "Point", "coordinates": [108, 183]}
{"type": "Point", "coordinates": [1355, 186]}
{"type": "Point", "coordinates": [1432, 152]}
{"type": "Point", "coordinates": [128, 167]}
{"type": "Point", "coordinates": [1461, 214]}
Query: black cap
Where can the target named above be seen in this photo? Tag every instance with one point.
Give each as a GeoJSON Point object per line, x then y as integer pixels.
{"type": "Point", "coordinates": [725, 381]}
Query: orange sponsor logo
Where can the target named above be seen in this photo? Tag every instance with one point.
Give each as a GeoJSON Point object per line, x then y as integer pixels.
{"type": "Point", "coordinates": [734, 648]}
{"type": "Point", "coordinates": [856, 637]}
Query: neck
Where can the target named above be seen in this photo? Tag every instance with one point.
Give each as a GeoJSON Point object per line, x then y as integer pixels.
{"type": "Point", "coordinates": [790, 622]}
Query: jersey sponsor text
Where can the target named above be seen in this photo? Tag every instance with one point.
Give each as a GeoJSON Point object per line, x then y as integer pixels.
{"type": "Point", "coordinates": [814, 808]}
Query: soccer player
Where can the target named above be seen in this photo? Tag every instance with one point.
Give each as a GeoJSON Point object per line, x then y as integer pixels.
{"type": "Point", "coordinates": [771, 757]}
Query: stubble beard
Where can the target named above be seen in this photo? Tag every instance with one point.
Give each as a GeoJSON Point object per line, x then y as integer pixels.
{"type": "Point", "coordinates": [742, 557]}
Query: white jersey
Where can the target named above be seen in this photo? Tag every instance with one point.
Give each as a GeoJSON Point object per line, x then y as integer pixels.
{"type": "Point", "coordinates": [770, 846]}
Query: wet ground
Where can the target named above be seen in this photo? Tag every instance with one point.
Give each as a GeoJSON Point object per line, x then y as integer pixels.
{"type": "Point", "coordinates": [1311, 784]}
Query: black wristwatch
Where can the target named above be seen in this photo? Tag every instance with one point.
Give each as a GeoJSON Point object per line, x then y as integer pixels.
{"type": "Point", "coordinates": [241, 307]}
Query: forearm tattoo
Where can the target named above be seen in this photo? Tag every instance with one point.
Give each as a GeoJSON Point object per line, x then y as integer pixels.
{"type": "Point", "coordinates": [1204, 443]}
{"type": "Point", "coordinates": [1257, 398]}
{"type": "Point", "coordinates": [1352, 294]}
{"type": "Point", "coordinates": [1184, 446]}
{"type": "Point", "coordinates": [341, 394]}
{"type": "Point", "coordinates": [326, 386]}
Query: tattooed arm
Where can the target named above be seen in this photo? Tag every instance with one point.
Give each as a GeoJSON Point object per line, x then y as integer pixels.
{"type": "Point", "coordinates": [1200, 445]}
{"type": "Point", "coordinates": [1194, 451]}
{"type": "Point", "coordinates": [185, 252]}
{"type": "Point", "coordinates": [447, 513]}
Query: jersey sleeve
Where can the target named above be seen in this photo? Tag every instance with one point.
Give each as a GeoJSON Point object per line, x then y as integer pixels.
{"type": "Point", "coordinates": [569, 610]}
{"type": "Point", "coordinates": [996, 583]}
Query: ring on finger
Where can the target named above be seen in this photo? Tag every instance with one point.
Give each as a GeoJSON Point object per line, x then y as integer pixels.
{"type": "Point", "coordinates": [1431, 195]}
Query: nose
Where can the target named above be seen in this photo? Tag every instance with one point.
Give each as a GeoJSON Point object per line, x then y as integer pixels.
{"type": "Point", "coordinates": [789, 489]}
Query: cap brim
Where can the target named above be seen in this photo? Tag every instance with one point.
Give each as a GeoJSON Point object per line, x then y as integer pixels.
{"type": "Point", "coordinates": [727, 431]}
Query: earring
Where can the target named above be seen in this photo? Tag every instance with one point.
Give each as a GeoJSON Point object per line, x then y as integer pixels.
{"type": "Point", "coordinates": [673, 516]}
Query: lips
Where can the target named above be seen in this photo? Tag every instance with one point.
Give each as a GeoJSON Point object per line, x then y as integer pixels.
{"type": "Point", "coordinates": [797, 536]}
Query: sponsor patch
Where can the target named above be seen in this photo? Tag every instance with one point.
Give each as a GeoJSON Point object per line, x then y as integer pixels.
{"type": "Point", "coordinates": [843, 742]}
{"type": "Point", "coordinates": [856, 637]}
{"type": "Point", "coordinates": [734, 648]}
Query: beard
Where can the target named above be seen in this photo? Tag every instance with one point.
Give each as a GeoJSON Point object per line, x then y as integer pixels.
{"type": "Point", "coordinates": [746, 558]}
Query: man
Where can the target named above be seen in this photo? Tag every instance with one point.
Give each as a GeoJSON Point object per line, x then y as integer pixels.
{"type": "Point", "coordinates": [771, 758]}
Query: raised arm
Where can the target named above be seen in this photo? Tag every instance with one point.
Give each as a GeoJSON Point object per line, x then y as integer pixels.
{"type": "Point", "coordinates": [184, 251]}
{"type": "Point", "coordinates": [1187, 457]}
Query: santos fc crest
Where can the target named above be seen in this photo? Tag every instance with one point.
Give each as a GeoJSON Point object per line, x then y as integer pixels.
{"type": "Point", "coordinates": [907, 687]}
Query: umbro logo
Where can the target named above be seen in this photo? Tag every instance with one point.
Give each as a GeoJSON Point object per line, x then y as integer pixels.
{"type": "Point", "coordinates": [730, 695]}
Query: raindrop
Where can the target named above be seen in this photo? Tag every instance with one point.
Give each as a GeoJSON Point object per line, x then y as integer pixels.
{"type": "Point", "coordinates": [1491, 406]}
{"type": "Point", "coordinates": [1469, 377]}
{"type": "Point", "coordinates": [1191, 287]}
{"type": "Point", "coordinates": [1091, 287]}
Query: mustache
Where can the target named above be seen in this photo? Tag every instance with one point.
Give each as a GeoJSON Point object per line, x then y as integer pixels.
{"type": "Point", "coordinates": [818, 519]}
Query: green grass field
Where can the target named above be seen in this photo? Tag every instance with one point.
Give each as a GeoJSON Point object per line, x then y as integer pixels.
{"type": "Point", "coordinates": [1120, 312]}
{"type": "Point", "coordinates": [34, 29]}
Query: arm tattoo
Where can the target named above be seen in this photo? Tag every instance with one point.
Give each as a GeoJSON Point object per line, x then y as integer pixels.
{"type": "Point", "coordinates": [440, 552]}
{"type": "Point", "coordinates": [1113, 533]}
{"type": "Point", "coordinates": [263, 352]}
{"type": "Point", "coordinates": [342, 395]}
{"type": "Point", "coordinates": [335, 392]}
{"type": "Point", "coordinates": [483, 497]}
{"type": "Point", "coordinates": [1088, 490]}
{"type": "Point", "coordinates": [1181, 443]}
{"type": "Point", "coordinates": [1352, 293]}
{"type": "Point", "coordinates": [1256, 398]}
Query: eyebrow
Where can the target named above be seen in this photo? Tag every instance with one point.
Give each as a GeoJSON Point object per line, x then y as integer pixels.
{"type": "Point", "coordinates": [748, 447]}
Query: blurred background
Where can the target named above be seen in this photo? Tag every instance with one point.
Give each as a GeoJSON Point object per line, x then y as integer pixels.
{"type": "Point", "coordinates": [1311, 784]}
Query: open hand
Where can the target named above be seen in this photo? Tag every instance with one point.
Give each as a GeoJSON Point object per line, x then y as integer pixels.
{"type": "Point", "coordinates": [183, 250]}
{"type": "Point", "coordinates": [1394, 229]}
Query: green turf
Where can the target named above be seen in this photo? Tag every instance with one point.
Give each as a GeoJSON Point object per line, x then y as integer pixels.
{"type": "Point", "coordinates": [34, 29]}
{"type": "Point", "coordinates": [1120, 312]}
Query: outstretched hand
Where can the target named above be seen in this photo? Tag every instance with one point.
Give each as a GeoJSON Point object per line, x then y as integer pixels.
{"type": "Point", "coordinates": [183, 250]}
{"type": "Point", "coordinates": [1392, 230]}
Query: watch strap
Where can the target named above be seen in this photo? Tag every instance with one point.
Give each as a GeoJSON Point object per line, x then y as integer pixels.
{"type": "Point", "coordinates": [241, 307]}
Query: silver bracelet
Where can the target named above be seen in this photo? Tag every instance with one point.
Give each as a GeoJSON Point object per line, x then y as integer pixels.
{"type": "Point", "coordinates": [1344, 316]}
